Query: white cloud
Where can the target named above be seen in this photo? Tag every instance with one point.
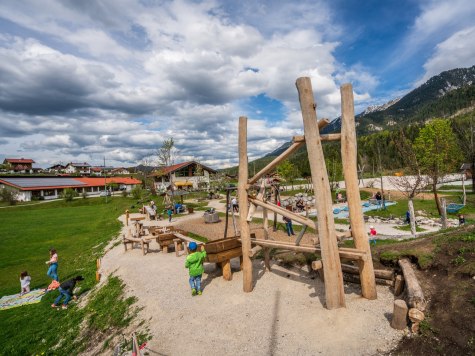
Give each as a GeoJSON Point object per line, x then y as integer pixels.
{"type": "Point", "coordinates": [457, 51]}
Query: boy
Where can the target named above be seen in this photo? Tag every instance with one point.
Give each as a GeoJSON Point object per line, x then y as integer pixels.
{"type": "Point", "coordinates": [372, 233]}
{"type": "Point", "coordinates": [194, 262]}
{"type": "Point", "coordinates": [66, 290]}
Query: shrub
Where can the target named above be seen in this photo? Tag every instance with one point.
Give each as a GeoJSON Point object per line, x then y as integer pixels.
{"type": "Point", "coordinates": [84, 195]}
{"type": "Point", "coordinates": [68, 194]}
{"type": "Point", "coordinates": [9, 196]}
{"type": "Point", "coordinates": [137, 192]}
{"type": "Point", "coordinates": [125, 193]}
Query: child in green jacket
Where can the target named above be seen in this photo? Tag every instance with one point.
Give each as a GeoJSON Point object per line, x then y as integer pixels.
{"type": "Point", "coordinates": [194, 262]}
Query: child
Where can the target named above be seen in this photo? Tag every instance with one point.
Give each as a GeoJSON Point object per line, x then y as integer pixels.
{"type": "Point", "coordinates": [66, 290]}
{"type": "Point", "coordinates": [461, 220]}
{"type": "Point", "coordinates": [53, 264]}
{"type": "Point", "coordinates": [194, 262]}
{"type": "Point", "coordinates": [25, 280]}
{"type": "Point", "coordinates": [169, 213]}
{"type": "Point", "coordinates": [372, 232]}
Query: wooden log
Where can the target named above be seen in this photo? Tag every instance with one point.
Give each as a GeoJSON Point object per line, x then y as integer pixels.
{"type": "Point", "coordinates": [398, 285]}
{"type": "Point", "coordinates": [415, 296]}
{"type": "Point", "coordinates": [178, 243]}
{"type": "Point", "coordinates": [378, 273]}
{"type": "Point", "coordinates": [349, 162]}
{"type": "Point", "coordinates": [127, 218]}
{"type": "Point", "coordinates": [226, 268]}
{"type": "Point", "coordinates": [247, 283]}
{"type": "Point", "coordinates": [255, 250]}
{"type": "Point", "coordinates": [334, 292]}
{"type": "Point", "coordinates": [415, 315]}
{"type": "Point", "coordinates": [399, 319]}
{"type": "Point", "coordinates": [316, 265]}
{"type": "Point", "coordinates": [266, 237]}
{"type": "Point", "coordinates": [327, 137]}
{"type": "Point", "coordinates": [354, 278]}
{"type": "Point", "coordinates": [284, 212]}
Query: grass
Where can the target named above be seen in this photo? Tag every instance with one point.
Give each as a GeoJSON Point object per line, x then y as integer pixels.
{"type": "Point", "coordinates": [408, 228]}
{"type": "Point", "coordinates": [79, 230]}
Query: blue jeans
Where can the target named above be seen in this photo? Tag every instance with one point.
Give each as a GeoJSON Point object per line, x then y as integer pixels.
{"type": "Point", "coordinates": [288, 227]}
{"type": "Point", "coordinates": [53, 271]}
{"type": "Point", "coordinates": [61, 293]}
{"type": "Point", "coordinates": [195, 282]}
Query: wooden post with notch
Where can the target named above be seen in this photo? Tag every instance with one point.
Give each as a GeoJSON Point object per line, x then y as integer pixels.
{"type": "Point", "coordinates": [243, 206]}
{"type": "Point", "coordinates": [348, 156]}
{"type": "Point", "coordinates": [334, 292]}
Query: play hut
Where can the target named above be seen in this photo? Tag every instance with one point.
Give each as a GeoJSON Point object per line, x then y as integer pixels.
{"type": "Point", "coordinates": [326, 245]}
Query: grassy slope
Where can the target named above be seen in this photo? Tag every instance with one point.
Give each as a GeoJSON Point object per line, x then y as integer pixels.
{"type": "Point", "coordinates": [78, 230]}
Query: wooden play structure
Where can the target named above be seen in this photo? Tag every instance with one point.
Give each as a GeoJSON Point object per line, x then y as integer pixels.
{"type": "Point", "coordinates": [327, 244]}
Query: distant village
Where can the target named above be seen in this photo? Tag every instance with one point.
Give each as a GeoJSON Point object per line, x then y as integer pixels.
{"type": "Point", "coordinates": [31, 183]}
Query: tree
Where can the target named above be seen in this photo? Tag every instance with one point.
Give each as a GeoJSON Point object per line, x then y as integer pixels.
{"type": "Point", "coordinates": [9, 196]}
{"type": "Point", "coordinates": [335, 172]}
{"type": "Point", "coordinates": [68, 194]}
{"type": "Point", "coordinates": [414, 181]}
{"type": "Point", "coordinates": [288, 171]}
{"type": "Point", "coordinates": [465, 130]}
{"type": "Point", "coordinates": [437, 152]}
{"type": "Point", "coordinates": [167, 152]}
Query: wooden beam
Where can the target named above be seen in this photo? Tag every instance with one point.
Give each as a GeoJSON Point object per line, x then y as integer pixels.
{"type": "Point", "coordinates": [354, 278]}
{"type": "Point", "coordinates": [247, 283]}
{"type": "Point", "coordinates": [349, 155]}
{"type": "Point", "coordinates": [295, 146]}
{"type": "Point", "coordinates": [260, 196]}
{"type": "Point", "coordinates": [255, 250]}
{"type": "Point", "coordinates": [378, 273]}
{"type": "Point", "coordinates": [343, 235]}
{"type": "Point", "coordinates": [299, 238]}
{"type": "Point", "coordinates": [331, 137]}
{"type": "Point", "coordinates": [351, 254]}
{"type": "Point", "coordinates": [284, 212]}
{"type": "Point", "coordinates": [334, 292]}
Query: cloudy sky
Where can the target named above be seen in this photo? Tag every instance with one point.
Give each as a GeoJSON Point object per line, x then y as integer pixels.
{"type": "Point", "coordinates": [84, 80]}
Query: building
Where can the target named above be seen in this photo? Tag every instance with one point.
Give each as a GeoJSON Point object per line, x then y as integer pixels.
{"type": "Point", "coordinates": [119, 171]}
{"type": "Point", "coordinates": [19, 165]}
{"type": "Point", "coordinates": [183, 175]}
{"type": "Point", "coordinates": [57, 168]}
{"type": "Point", "coordinates": [47, 188]}
{"type": "Point", "coordinates": [78, 168]}
{"type": "Point", "coordinates": [467, 169]}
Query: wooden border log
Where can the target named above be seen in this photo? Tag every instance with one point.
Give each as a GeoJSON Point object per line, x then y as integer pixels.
{"type": "Point", "coordinates": [399, 319]}
{"type": "Point", "coordinates": [316, 265]}
{"type": "Point", "coordinates": [284, 212]}
{"type": "Point", "coordinates": [247, 283]}
{"type": "Point", "coordinates": [354, 278]}
{"type": "Point", "coordinates": [349, 162]}
{"type": "Point", "coordinates": [226, 268]}
{"type": "Point", "coordinates": [378, 273]}
{"type": "Point", "coordinates": [415, 296]}
{"type": "Point", "coordinates": [398, 285]}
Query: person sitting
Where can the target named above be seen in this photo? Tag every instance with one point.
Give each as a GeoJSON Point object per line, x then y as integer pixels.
{"type": "Point", "coordinates": [300, 205]}
{"type": "Point", "coordinates": [340, 198]}
{"type": "Point", "coordinates": [461, 220]}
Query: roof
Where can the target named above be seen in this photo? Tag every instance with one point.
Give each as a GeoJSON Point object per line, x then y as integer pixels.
{"type": "Point", "coordinates": [175, 167]}
{"type": "Point", "coordinates": [63, 182]}
{"type": "Point", "coordinates": [84, 164]}
{"type": "Point", "coordinates": [19, 160]}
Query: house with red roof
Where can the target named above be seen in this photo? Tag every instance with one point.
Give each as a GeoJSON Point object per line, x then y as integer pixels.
{"type": "Point", "coordinates": [47, 188]}
{"type": "Point", "coordinates": [185, 175]}
{"type": "Point", "coordinates": [19, 165]}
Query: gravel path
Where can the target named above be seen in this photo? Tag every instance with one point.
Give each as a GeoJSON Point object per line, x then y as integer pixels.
{"type": "Point", "coordinates": [284, 315]}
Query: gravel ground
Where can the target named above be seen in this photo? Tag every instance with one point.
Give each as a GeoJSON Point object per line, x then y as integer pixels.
{"type": "Point", "coordinates": [284, 315]}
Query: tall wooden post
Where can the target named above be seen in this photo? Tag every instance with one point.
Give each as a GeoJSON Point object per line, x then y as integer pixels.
{"type": "Point", "coordinates": [334, 292]}
{"type": "Point", "coordinates": [243, 206]}
{"type": "Point", "coordinates": [348, 155]}
{"type": "Point", "coordinates": [444, 213]}
{"type": "Point", "coordinates": [265, 213]}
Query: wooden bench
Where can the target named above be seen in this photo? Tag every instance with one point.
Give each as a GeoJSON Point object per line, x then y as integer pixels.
{"type": "Point", "coordinates": [151, 214]}
{"type": "Point", "coordinates": [130, 240]}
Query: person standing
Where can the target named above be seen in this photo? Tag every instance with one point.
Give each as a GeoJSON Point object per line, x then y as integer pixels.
{"type": "Point", "coordinates": [235, 205]}
{"type": "Point", "coordinates": [53, 264]}
{"type": "Point", "coordinates": [194, 263]}
{"type": "Point", "coordinates": [288, 226]}
{"type": "Point", "coordinates": [169, 213]}
{"type": "Point", "coordinates": [372, 233]}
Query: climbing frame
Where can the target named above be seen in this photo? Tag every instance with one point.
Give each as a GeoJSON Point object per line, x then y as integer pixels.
{"type": "Point", "coordinates": [327, 244]}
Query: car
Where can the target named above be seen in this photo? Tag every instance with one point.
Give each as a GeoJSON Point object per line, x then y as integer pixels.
{"type": "Point", "coordinates": [105, 193]}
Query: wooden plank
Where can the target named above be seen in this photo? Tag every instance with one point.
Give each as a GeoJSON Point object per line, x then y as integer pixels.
{"type": "Point", "coordinates": [247, 283]}
{"type": "Point", "coordinates": [334, 292]}
{"type": "Point", "coordinates": [349, 156]}
{"type": "Point", "coordinates": [225, 255]}
{"type": "Point", "coordinates": [284, 212]}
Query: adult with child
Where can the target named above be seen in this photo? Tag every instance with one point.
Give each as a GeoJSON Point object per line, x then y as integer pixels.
{"type": "Point", "coordinates": [53, 265]}
{"type": "Point", "coordinates": [25, 280]}
{"type": "Point", "coordinates": [66, 290]}
{"type": "Point", "coordinates": [194, 263]}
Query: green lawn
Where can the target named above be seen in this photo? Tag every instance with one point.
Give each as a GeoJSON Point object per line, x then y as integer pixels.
{"type": "Point", "coordinates": [78, 230]}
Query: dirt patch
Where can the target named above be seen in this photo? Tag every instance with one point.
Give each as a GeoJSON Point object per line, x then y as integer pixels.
{"type": "Point", "coordinates": [448, 281]}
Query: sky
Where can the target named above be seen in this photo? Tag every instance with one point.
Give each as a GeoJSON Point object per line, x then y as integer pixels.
{"type": "Point", "coordinates": [84, 81]}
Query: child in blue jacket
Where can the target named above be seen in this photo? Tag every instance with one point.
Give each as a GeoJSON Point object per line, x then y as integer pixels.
{"type": "Point", "coordinates": [194, 262]}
